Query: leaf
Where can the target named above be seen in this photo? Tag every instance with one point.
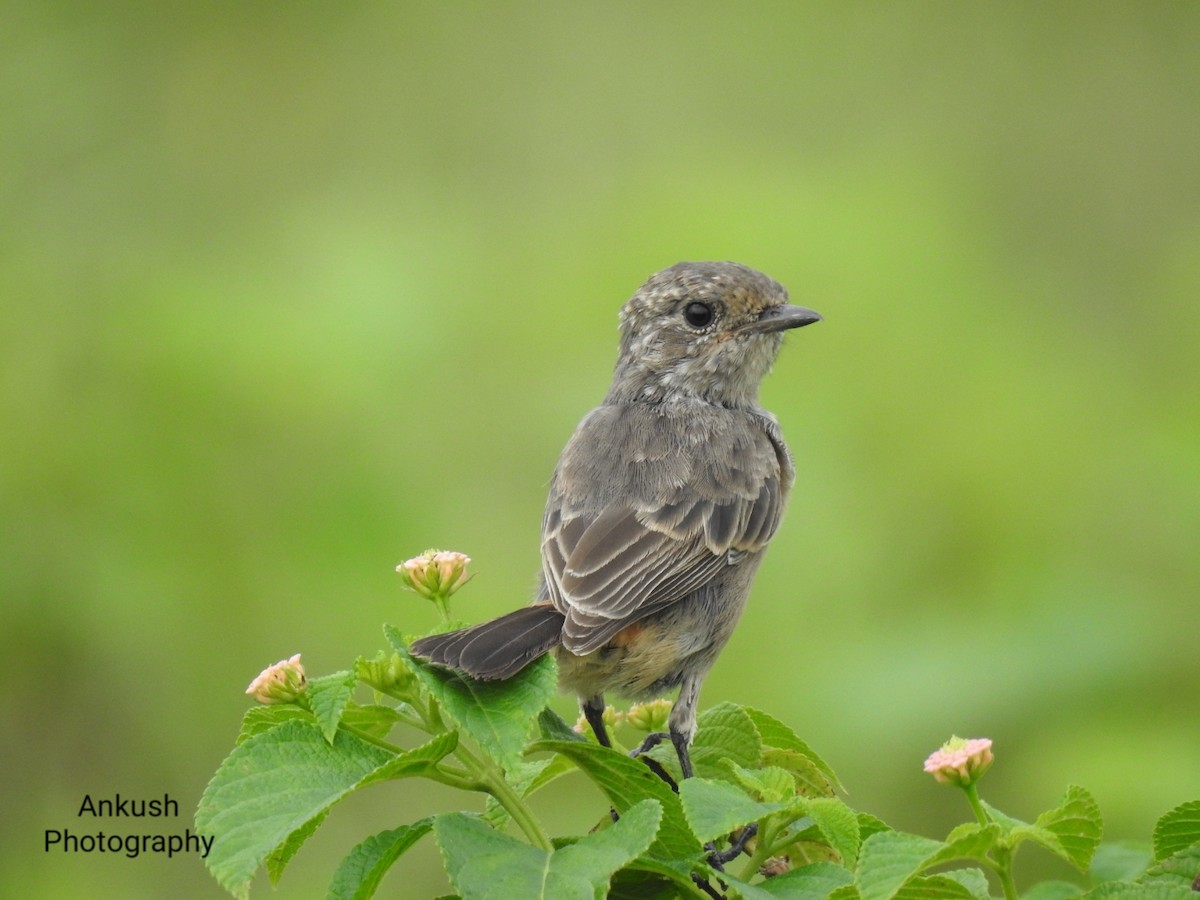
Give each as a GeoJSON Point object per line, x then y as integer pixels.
{"type": "Point", "coordinates": [775, 733]}
{"type": "Point", "coordinates": [973, 879]}
{"type": "Point", "coordinates": [530, 777]}
{"type": "Point", "coordinates": [837, 823]}
{"type": "Point", "coordinates": [283, 854]}
{"type": "Point", "coordinates": [1118, 891]}
{"type": "Point", "coordinates": [767, 785]}
{"type": "Point", "coordinates": [261, 718]}
{"type": "Point", "coordinates": [807, 775]}
{"type": "Point", "coordinates": [1178, 868]}
{"type": "Point", "coordinates": [483, 863]}
{"type": "Point", "coordinates": [715, 808]}
{"type": "Point", "coordinates": [1076, 826]}
{"type": "Point", "coordinates": [1119, 861]}
{"type": "Point", "coordinates": [724, 732]}
{"type": "Point", "coordinates": [934, 887]}
{"type": "Point", "coordinates": [811, 882]}
{"type": "Point", "coordinates": [1053, 890]}
{"type": "Point", "coordinates": [969, 841]}
{"type": "Point", "coordinates": [888, 859]}
{"type": "Point", "coordinates": [417, 761]}
{"type": "Point", "coordinates": [497, 715]}
{"type": "Point", "coordinates": [327, 697]}
{"type": "Point", "coordinates": [554, 727]}
{"type": "Point", "coordinates": [373, 718]}
{"type": "Point", "coordinates": [359, 873]}
{"type": "Point", "coordinates": [269, 787]}
{"type": "Point", "coordinates": [1177, 829]}
{"type": "Point", "coordinates": [265, 794]}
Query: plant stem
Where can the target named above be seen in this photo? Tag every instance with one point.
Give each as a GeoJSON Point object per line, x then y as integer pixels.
{"type": "Point", "coordinates": [1004, 855]}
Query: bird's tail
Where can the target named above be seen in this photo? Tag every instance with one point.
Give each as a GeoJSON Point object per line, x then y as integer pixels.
{"type": "Point", "coordinates": [497, 649]}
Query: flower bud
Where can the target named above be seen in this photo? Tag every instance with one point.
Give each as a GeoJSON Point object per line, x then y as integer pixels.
{"type": "Point", "coordinates": [651, 716]}
{"type": "Point", "coordinates": [610, 717]}
{"type": "Point", "coordinates": [384, 672]}
{"type": "Point", "coordinates": [960, 762]}
{"type": "Point", "coordinates": [435, 574]}
{"type": "Point", "coordinates": [280, 683]}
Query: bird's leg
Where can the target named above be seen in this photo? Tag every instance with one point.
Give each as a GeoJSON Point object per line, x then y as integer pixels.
{"type": "Point", "coordinates": [682, 723]}
{"type": "Point", "coordinates": [593, 711]}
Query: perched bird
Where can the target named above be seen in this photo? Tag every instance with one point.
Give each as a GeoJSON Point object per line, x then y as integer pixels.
{"type": "Point", "coordinates": [661, 506]}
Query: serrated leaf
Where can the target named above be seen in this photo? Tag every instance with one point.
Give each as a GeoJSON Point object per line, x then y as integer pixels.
{"type": "Point", "coordinates": [263, 718]}
{"type": "Point", "coordinates": [1116, 891]}
{"type": "Point", "coordinates": [969, 841]}
{"type": "Point", "coordinates": [724, 732]}
{"type": "Point", "coordinates": [888, 859]}
{"type": "Point", "coordinates": [485, 864]}
{"type": "Point", "coordinates": [270, 786]}
{"type": "Point", "coordinates": [1119, 861]}
{"type": "Point", "coordinates": [811, 882]}
{"type": "Point", "coordinates": [372, 718]}
{"type": "Point", "coordinates": [1177, 829]}
{"type": "Point", "coordinates": [1052, 890]}
{"type": "Point", "coordinates": [268, 790]}
{"type": "Point", "coordinates": [807, 775]}
{"type": "Point", "coordinates": [837, 823]}
{"type": "Point", "coordinates": [283, 854]}
{"type": "Point", "coordinates": [933, 887]}
{"type": "Point", "coordinates": [1177, 869]}
{"type": "Point", "coordinates": [973, 879]}
{"type": "Point", "coordinates": [1076, 826]}
{"type": "Point", "coordinates": [417, 761]}
{"type": "Point", "coordinates": [626, 782]}
{"type": "Point", "coordinates": [715, 808]}
{"type": "Point", "coordinates": [775, 733]}
{"type": "Point", "coordinates": [869, 824]}
{"type": "Point", "coordinates": [497, 715]}
{"type": "Point", "coordinates": [847, 892]}
{"type": "Point", "coordinates": [327, 697]}
{"type": "Point", "coordinates": [358, 874]}
{"type": "Point", "coordinates": [553, 727]}
{"type": "Point", "coordinates": [767, 785]}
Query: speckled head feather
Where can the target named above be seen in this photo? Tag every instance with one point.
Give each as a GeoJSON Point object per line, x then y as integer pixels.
{"type": "Point", "coordinates": [702, 330]}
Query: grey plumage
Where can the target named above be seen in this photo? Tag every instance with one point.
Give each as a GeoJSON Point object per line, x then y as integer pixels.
{"type": "Point", "coordinates": [662, 502]}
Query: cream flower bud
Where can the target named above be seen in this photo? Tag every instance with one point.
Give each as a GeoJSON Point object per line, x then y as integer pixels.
{"type": "Point", "coordinates": [651, 716]}
{"type": "Point", "coordinates": [435, 574]}
{"type": "Point", "coordinates": [959, 761]}
{"type": "Point", "coordinates": [280, 683]}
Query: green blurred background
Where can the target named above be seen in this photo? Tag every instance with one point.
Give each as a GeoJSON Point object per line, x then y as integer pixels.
{"type": "Point", "coordinates": [294, 291]}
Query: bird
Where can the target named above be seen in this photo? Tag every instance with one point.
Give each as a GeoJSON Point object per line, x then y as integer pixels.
{"type": "Point", "coordinates": [660, 508]}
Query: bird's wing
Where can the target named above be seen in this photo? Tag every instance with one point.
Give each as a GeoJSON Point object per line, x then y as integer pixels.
{"type": "Point", "coordinates": [679, 520]}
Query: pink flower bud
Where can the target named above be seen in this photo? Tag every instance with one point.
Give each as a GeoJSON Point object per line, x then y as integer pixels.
{"type": "Point", "coordinates": [961, 762]}
{"type": "Point", "coordinates": [280, 683]}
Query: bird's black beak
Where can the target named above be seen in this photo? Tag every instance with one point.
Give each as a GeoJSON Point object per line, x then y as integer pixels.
{"type": "Point", "coordinates": [781, 318]}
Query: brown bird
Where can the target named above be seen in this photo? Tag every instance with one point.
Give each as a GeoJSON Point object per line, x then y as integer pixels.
{"type": "Point", "coordinates": [661, 505]}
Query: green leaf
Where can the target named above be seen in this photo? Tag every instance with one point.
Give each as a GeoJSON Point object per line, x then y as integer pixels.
{"type": "Point", "coordinates": [811, 882]}
{"type": "Point", "coordinates": [414, 762]}
{"type": "Point", "coordinates": [263, 718]}
{"type": "Point", "coordinates": [283, 854]}
{"type": "Point", "coordinates": [372, 718]}
{"type": "Point", "coordinates": [530, 777]}
{"type": "Point", "coordinates": [724, 732]}
{"type": "Point", "coordinates": [715, 808]}
{"type": "Point", "coordinates": [775, 733]}
{"type": "Point", "coordinates": [888, 859]}
{"type": "Point", "coordinates": [1076, 826]}
{"type": "Point", "coordinates": [767, 785]}
{"type": "Point", "coordinates": [973, 879]}
{"type": "Point", "coordinates": [807, 775]}
{"type": "Point", "coordinates": [869, 825]}
{"type": "Point", "coordinates": [359, 873]}
{"type": "Point", "coordinates": [847, 892]}
{"type": "Point", "coordinates": [837, 823]}
{"type": "Point", "coordinates": [266, 793]}
{"type": "Point", "coordinates": [327, 697]}
{"type": "Point", "coordinates": [1119, 861]}
{"type": "Point", "coordinates": [934, 887]}
{"type": "Point", "coordinates": [1052, 890]}
{"type": "Point", "coordinates": [484, 864]}
{"type": "Point", "coordinates": [1118, 891]}
{"type": "Point", "coordinates": [969, 841]}
{"type": "Point", "coordinates": [1178, 868]}
{"type": "Point", "coordinates": [269, 787]}
{"type": "Point", "coordinates": [554, 727]}
{"type": "Point", "coordinates": [626, 782]}
{"type": "Point", "coordinates": [497, 715]}
{"type": "Point", "coordinates": [1177, 829]}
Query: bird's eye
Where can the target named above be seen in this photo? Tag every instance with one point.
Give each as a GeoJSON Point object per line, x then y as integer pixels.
{"type": "Point", "coordinates": [698, 314]}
